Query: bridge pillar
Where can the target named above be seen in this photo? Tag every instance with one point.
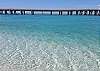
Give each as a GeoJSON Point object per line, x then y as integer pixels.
{"type": "Point", "coordinates": [85, 12]}
{"type": "Point", "coordinates": [68, 13]}
{"type": "Point", "coordinates": [24, 12]}
{"type": "Point", "coordinates": [71, 12]}
{"type": "Point", "coordinates": [42, 12]}
{"type": "Point", "coordinates": [51, 12]}
{"type": "Point", "coordinates": [95, 12]}
{"type": "Point", "coordinates": [90, 12]}
{"type": "Point", "coordinates": [14, 12]}
{"type": "Point", "coordinates": [32, 12]}
{"type": "Point", "coordinates": [76, 13]}
{"type": "Point", "coordinates": [21, 12]}
{"type": "Point", "coordinates": [1, 12]}
{"type": "Point", "coordinates": [11, 11]}
{"type": "Point", "coordinates": [61, 12]}
{"type": "Point", "coordinates": [6, 12]}
{"type": "Point", "coordinates": [99, 13]}
{"type": "Point", "coordinates": [80, 12]}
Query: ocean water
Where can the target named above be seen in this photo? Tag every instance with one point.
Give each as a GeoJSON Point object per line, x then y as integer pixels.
{"type": "Point", "coordinates": [49, 43]}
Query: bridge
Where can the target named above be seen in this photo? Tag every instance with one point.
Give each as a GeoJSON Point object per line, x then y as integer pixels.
{"type": "Point", "coordinates": [67, 11]}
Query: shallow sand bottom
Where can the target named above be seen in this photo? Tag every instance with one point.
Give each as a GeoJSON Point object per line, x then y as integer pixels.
{"type": "Point", "coordinates": [42, 53]}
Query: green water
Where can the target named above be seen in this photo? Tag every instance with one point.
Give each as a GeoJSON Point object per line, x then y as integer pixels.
{"type": "Point", "coordinates": [49, 43]}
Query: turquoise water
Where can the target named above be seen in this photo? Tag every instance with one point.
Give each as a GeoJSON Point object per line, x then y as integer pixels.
{"type": "Point", "coordinates": [49, 43]}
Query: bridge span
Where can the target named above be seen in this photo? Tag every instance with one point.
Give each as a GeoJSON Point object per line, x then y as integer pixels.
{"type": "Point", "coordinates": [84, 11]}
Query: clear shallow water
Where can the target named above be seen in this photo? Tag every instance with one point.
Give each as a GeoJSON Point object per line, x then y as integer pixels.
{"type": "Point", "coordinates": [49, 43]}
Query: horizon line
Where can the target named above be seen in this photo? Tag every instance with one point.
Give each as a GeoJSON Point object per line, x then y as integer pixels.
{"type": "Point", "coordinates": [51, 8]}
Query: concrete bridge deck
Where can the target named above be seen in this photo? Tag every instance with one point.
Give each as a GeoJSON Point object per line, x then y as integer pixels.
{"type": "Point", "coordinates": [78, 11]}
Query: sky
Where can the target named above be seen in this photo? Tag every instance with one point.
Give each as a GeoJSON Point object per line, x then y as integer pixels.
{"type": "Point", "coordinates": [49, 3]}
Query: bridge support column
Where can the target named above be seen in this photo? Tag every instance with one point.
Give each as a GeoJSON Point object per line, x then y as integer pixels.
{"type": "Point", "coordinates": [80, 12]}
{"type": "Point", "coordinates": [99, 13]}
{"type": "Point", "coordinates": [68, 13]}
{"type": "Point", "coordinates": [32, 12]}
{"type": "Point", "coordinates": [21, 12]}
{"type": "Point", "coordinates": [51, 12]}
{"type": "Point", "coordinates": [85, 12]}
{"type": "Point", "coordinates": [61, 12]}
{"type": "Point", "coordinates": [71, 12]}
{"type": "Point", "coordinates": [42, 12]}
{"type": "Point", "coordinates": [24, 12]}
{"type": "Point", "coordinates": [95, 12]}
{"type": "Point", "coordinates": [6, 12]}
{"type": "Point", "coordinates": [11, 12]}
{"type": "Point", "coordinates": [14, 12]}
{"type": "Point", "coordinates": [1, 12]}
{"type": "Point", "coordinates": [90, 12]}
{"type": "Point", "coordinates": [76, 13]}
